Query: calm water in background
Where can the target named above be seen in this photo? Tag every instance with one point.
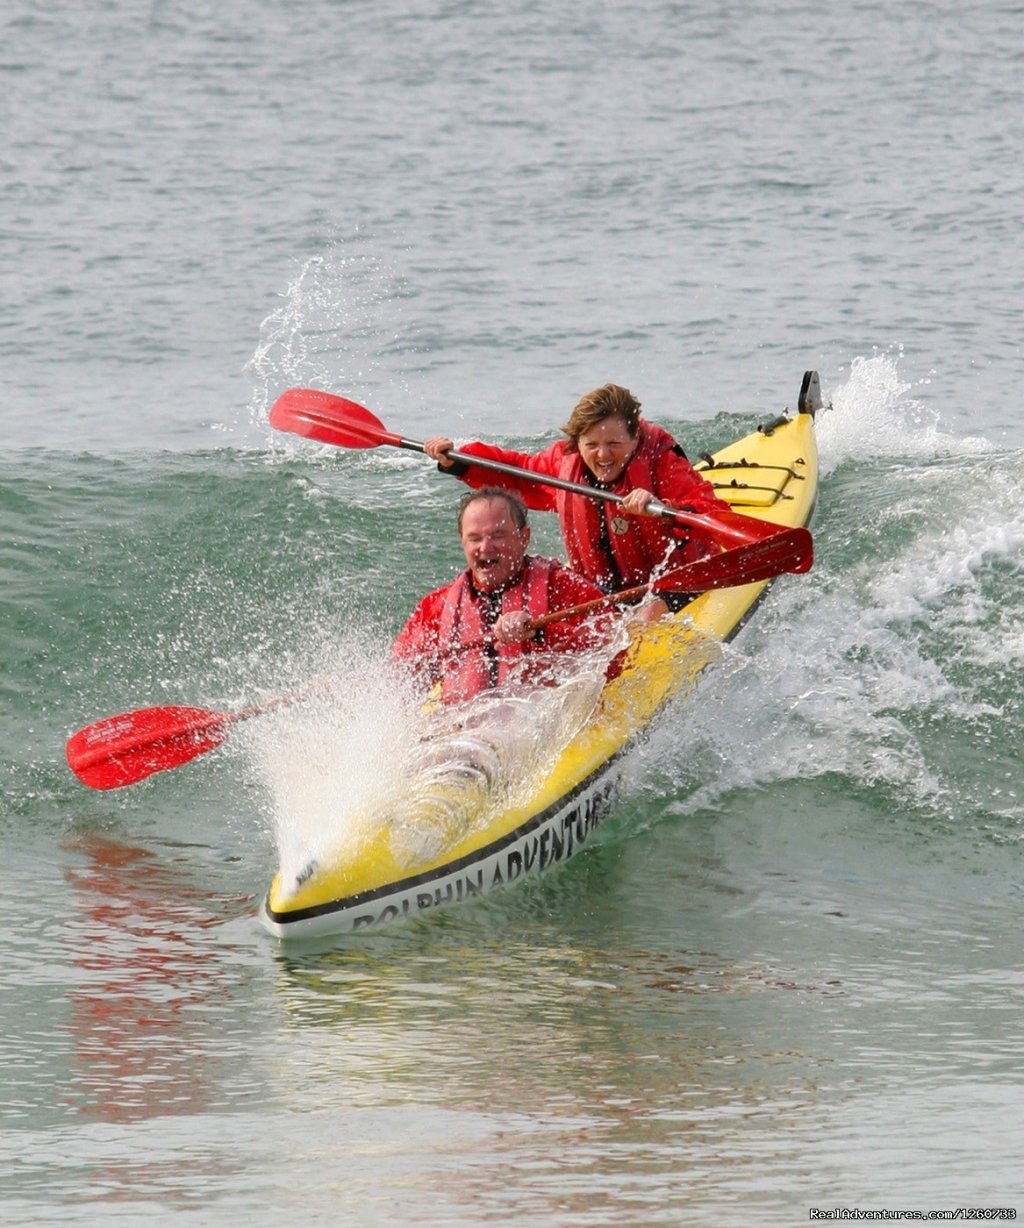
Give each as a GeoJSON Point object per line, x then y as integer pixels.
{"type": "Point", "coordinates": [789, 975]}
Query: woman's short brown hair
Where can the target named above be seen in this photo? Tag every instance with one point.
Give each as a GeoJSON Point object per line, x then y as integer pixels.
{"type": "Point", "coordinates": [608, 401]}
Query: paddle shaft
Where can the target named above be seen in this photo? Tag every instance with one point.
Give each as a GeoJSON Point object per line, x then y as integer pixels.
{"type": "Point", "coordinates": [626, 594]}
{"type": "Point", "coordinates": [124, 749]}
{"type": "Point", "coordinates": [753, 563]}
{"type": "Point", "coordinates": [654, 507]}
{"type": "Point", "coordinates": [335, 420]}
{"type": "Point", "coordinates": [674, 581]}
{"type": "Point", "coordinates": [555, 616]}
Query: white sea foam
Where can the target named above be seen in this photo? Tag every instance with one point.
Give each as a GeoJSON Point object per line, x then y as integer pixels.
{"type": "Point", "coordinates": [913, 599]}
{"type": "Point", "coordinates": [875, 415]}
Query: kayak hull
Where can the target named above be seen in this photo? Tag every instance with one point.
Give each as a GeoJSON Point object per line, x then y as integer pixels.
{"type": "Point", "coordinates": [771, 474]}
{"type": "Point", "coordinates": [544, 841]}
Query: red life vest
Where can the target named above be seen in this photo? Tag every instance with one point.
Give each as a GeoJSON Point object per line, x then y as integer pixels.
{"type": "Point", "coordinates": [639, 544]}
{"type": "Point", "coordinates": [461, 622]}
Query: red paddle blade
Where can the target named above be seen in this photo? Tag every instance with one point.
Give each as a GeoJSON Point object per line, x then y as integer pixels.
{"type": "Point", "coordinates": [786, 550]}
{"type": "Point", "coordinates": [727, 527]}
{"type": "Point", "coordinates": [121, 750]}
{"type": "Point", "coordinates": [329, 419]}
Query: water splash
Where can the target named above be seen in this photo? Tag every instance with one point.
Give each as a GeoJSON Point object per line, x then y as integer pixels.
{"type": "Point", "coordinates": [873, 416]}
{"type": "Point", "coordinates": [895, 662]}
{"type": "Point", "coordinates": [365, 757]}
{"type": "Point", "coordinates": [485, 757]}
{"type": "Point", "coordinates": [333, 759]}
{"type": "Point", "coordinates": [336, 320]}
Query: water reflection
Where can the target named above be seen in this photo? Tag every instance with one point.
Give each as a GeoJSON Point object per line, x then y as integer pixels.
{"type": "Point", "coordinates": [584, 1067]}
{"type": "Point", "coordinates": [143, 976]}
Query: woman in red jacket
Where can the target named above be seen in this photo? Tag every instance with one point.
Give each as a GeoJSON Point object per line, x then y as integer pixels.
{"type": "Point", "coordinates": [610, 447]}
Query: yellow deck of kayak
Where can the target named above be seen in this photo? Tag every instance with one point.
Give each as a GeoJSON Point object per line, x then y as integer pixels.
{"type": "Point", "coordinates": [771, 474]}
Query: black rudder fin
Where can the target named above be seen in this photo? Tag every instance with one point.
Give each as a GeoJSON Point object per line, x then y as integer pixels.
{"type": "Point", "coordinates": [809, 401]}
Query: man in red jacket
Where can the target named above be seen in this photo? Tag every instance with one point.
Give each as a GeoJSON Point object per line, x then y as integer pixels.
{"type": "Point", "coordinates": [477, 632]}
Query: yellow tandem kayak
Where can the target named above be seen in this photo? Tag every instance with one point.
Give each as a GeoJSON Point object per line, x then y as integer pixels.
{"type": "Point", "coordinates": [384, 874]}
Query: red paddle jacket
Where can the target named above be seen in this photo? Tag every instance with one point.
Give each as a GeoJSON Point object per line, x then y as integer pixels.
{"type": "Point", "coordinates": [459, 614]}
{"type": "Point", "coordinates": [613, 549]}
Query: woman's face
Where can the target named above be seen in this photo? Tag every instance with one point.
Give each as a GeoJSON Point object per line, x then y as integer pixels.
{"type": "Point", "coordinates": [606, 448]}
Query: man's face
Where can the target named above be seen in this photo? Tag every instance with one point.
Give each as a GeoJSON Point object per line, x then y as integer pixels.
{"type": "Point", "coordinates": [493, 546]}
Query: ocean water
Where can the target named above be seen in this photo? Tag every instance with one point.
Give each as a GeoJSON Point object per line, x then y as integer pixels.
{"type": "Point", "coordinates": [788, 974]}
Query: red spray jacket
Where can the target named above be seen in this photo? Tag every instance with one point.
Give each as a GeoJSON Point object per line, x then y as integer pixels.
{"type": "Point", "coordinates": [457, 614]}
